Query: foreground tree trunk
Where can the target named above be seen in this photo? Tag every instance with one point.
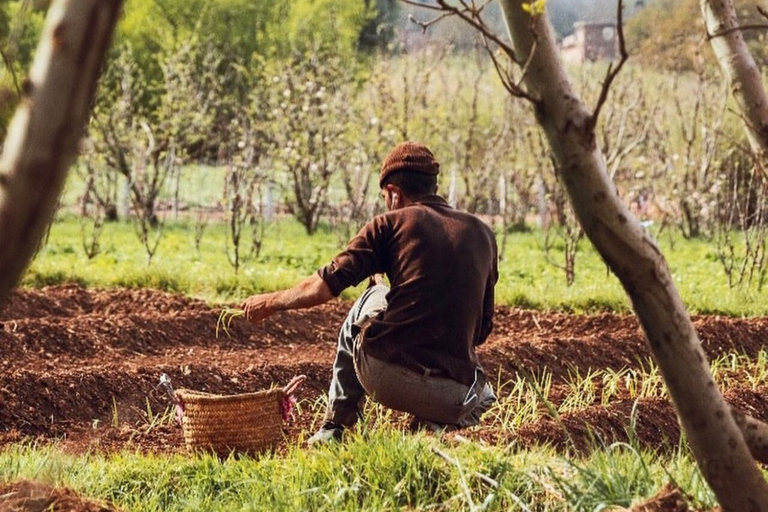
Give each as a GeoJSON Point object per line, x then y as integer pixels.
{"type": "Point", "coordinates": [43, 135]}
{"type": "Point", "coordinates": [634, 257]}
{"type": "Point", "coordinates": [741, 73]}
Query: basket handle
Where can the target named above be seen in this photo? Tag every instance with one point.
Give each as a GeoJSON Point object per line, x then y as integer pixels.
{"type": "Point", "coordinates": [294, 384]}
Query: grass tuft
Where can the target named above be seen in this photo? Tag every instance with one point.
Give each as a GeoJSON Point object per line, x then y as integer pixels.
{"type": "Point", "coordinates": [225, 319]}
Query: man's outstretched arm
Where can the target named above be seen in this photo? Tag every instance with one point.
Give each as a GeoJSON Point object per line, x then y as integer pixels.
{"type": "Point", "coordinates": [309, 292]}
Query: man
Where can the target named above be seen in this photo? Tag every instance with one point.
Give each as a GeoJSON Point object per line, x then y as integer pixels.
{"type": "Point", "coordinates": [410, 347]}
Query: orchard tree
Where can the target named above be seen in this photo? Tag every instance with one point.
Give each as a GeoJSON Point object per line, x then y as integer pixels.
{"type": "Point", "coordinates": [667, 34]}
{"type": "Point", "coordinates": [43, 136]}
{"type": "Point", "coordinates": [720, 439]}
{"type": "Point", "coordinates": [742, 75]}
{"type": "Point", "coordinates": [308, 118]}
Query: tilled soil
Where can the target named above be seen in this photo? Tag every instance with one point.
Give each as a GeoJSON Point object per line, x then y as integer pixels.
{"type": "Point", "coordinates": [81, 367]}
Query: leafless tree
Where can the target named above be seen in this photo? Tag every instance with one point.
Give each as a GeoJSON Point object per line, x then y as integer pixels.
{"type": "Point", "coordinates": [201, 223]}
{"type": "Point", "coordinates": [696, 173]}
{"type": "Point", "coordinates": [90, 233]}
{"type": "Point", "coordinates": [101, 188]}
{"type": "Point", "coordinates": [241, 188]}
{"type": "Point", "coordinates": [563, 229]}
{"type": "Point", "coordinates": [741, 230]}
{"type": "Point", "coordinates": [148, 146]}
{"type": "Point", "coordinates": [309, 117]}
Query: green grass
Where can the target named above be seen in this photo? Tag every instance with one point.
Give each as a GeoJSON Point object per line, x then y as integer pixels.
{"type": "Point", "coordinates": [526, 279]}
{"type": "Point", "coordinates": [380, 469]}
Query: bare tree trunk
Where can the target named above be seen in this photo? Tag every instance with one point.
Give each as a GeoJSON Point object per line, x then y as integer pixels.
{"type": "Point", "coordinates": [634, 257]}
{"type": "Point", "coordinates": [741, 73]}
{"type": "Point", "coordinates": [43, 136]}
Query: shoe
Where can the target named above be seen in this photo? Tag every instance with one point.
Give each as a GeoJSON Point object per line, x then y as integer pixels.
{"type": "Point", "coordinates": [486, 400]}
{"type": "Point", "coordinates": [418, 424]}
{"type": "Point", "coordinates": [328, 433]}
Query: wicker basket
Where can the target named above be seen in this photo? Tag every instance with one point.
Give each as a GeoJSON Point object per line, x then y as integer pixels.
{"type": "Point", "coordinates": [246, 423]}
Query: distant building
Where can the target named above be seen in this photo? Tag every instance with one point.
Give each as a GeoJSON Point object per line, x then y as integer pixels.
{"type": "Point", "coordinates": [591, 41]}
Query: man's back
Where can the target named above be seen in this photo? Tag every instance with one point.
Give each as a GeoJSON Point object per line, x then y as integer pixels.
{"type": "Point", "coordinates": [442, 268]}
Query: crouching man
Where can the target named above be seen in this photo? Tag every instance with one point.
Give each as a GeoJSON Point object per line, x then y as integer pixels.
{"type": "Point", "coordinates": [410, 347]}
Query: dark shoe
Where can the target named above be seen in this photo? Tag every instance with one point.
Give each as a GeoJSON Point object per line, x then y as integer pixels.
{"type": "Point", "coordinates": [418, 424]}
{"type": "Point", "coordinates": [486, 399]}
{"type": "Point", "coordinates": [329, 432]}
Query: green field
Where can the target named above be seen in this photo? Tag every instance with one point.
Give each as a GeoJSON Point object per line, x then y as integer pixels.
{"type": "Point", "coordinates": [527, 279]}
{"type": "Point", "coordinates": [377, 470]}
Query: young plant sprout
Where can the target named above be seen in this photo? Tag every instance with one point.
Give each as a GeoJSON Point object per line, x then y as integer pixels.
{"type": "Point", "coordinates": [226, 317]}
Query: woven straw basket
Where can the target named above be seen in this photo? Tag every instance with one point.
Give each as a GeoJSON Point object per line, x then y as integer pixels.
{"type": "Point", "coordinates": [246, 423]}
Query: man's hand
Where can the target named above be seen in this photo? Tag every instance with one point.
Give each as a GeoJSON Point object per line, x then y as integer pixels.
{"type": "Point", "coordinates": [257, 307]}
{"type": "Point", "coordinates": [310, 292]}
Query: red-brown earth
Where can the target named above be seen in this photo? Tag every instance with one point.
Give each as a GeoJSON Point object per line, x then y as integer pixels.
{"type": "Point", "coordinates": [81, 367]}
{"type": "Point", "coordinates": [29, 496]}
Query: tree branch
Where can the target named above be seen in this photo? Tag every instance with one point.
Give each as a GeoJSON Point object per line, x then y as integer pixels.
{"type": "Point", "coordinates": [513, 88]}
{"type": "Point", "coordinates": [471, 14]}
{"type": "Point", "coordinates": [740, 28]}
{"type": "Point", "coordinates": [755, 434]}
{"type": "Point", "coordinates": [426, 24]}
{"type": "Point", "coordinates": [431, 7]}
{"type": "Point", "coordinates": [612, 72]}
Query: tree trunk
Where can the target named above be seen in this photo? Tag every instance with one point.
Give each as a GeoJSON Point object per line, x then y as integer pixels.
{"type": "Point", "coordinates": [43, 135]}
{"type": "Point", "coordinates": [634, 257]}
{"type": "Point", "coordinates": [741, 72]}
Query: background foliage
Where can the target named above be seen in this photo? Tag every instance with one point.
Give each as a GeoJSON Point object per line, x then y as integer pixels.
{"type": "Point", "coordinates": [281, 109]}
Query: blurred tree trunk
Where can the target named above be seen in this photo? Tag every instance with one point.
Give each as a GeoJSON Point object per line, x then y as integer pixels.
{"type": "Point", "coordinates": [741, 73]}
{"type": "Point", "coordinates": [44, 133]}
{"type": "Point", "coordinates": [634, 257]}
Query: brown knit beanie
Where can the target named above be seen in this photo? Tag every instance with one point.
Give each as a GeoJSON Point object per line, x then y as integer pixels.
{"type": "Point", "coordinates": [409, 156]}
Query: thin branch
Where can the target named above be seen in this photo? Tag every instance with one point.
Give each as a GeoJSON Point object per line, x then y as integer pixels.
{"type": "Point", "coordinates": [483, 6]}
{"type": "Point", "coordinates": [744, 119]}
{"type": "Point", "coordinates": [534, 46]}
{"type": "Point", "coordinates": [740, 28]}
{"type": "Point", "coordinates": [9, 67]}
{"type": "Point", "coordinates": [612, 72]}
{"type": "Point", "coordinates": [511, 87]}
{"type": "Point", "coordinates": [476, 21]}
{"type": "Point", "coordinates": [471, 14]}
{"type": "Point", "coordinates": [426, 24]}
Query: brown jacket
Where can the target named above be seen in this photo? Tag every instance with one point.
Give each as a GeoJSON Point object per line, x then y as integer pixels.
{"type": "Point", "coordinates": [442, 265]}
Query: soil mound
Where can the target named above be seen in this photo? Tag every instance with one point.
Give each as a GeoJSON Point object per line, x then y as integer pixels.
{"type": "Point", "coordinates": [29, 496]}
{"type": "Point", "coordinates": [82, 366]}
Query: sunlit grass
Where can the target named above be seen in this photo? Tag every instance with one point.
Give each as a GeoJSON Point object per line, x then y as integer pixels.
{"type": "Point", "coordinates": [734, 369]}
{"type": "Point", "coordinates": [382, 469]}
{"type": "Point", "coordinates": [288, 255]}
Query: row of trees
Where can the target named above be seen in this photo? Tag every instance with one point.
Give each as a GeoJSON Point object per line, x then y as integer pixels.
{"type": "Point", "coordinates": [307, 134]}
{"type": "Point", "coordinates": [241, 32]}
